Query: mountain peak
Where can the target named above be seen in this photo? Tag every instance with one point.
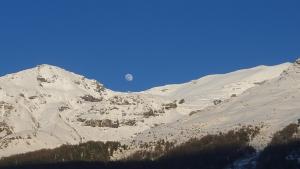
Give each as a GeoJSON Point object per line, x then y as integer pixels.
{"type": "Point", "coordinates": [47, 65]}
{"type": "Point", "coordinates": [39, 70]}
{"type": "Point", "coordinates": [49, 77]}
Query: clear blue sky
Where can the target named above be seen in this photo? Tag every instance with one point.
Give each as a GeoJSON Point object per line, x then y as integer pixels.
{"type": "Point", "coordinates": [159, 41]}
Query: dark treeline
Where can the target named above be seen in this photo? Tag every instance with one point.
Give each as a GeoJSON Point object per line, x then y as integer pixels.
{"type": "Point", "coordinates": [210, 152]}
{"type": "Point", "coordinates": [283, 152]}
{"type": "Point", "coordinates": [90, 151]}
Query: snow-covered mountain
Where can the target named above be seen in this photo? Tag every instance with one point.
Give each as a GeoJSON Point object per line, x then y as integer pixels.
{"type": "Point", "coordinates": [46, 106]}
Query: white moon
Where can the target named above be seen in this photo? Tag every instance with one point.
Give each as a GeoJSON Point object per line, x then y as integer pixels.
{"type": "Point", "coordinates": [129, 77]}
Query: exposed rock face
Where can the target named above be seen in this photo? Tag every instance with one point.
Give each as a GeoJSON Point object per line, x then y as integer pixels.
{"type": "Point", "coordinates": [4, 129]}
{"type": "Point", "coordinates": [102, 123]}
{"type": "Point", "coordinates": [169, 106]}
{"type": "Point", "coordinates": [130, 122]}
{"type": "Point", "coordinates": [152, 113]}
{"type": "Point", "coordinates": [5, 108]}
{"type": "Point", "coordinates": [217, 102]}
{"type": "Point", "coordinates": [90, 98]}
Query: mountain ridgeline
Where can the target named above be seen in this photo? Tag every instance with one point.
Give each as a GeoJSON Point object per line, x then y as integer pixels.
{"type": "Point", "coordinates": [50, 117]}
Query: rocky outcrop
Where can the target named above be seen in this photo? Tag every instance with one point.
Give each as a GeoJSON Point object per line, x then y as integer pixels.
{"type": "Point", "coordinates": [5, 108]}
{"type": "Point", "coordinates": [169, 106]}
{"type": "Point", "coordinates": [89, 98]}
{"type": "Point", "coordinates": [152, 113]}
{"type": "Point", "coordinates": [217, 102]}
{"type": "Point", "coordinates": [100, 123]}
{"type": "Point", "coordinates": [4, 129]}
{"type": "Point", "coordinates": [130, 122]}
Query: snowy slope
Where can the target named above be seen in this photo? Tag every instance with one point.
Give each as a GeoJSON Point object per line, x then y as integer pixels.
{"type": "Point", "coordinates": [271, 105]}
{"type": "Point", "coordinates": [200, 94]}
{"type": "Point", "coordinates": [219, 86]}
{"type": "Point", "coordinates": [46, 106]}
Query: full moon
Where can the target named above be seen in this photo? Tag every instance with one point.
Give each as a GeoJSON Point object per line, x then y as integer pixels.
{"type": "Point", "coordinates": [129, 77]}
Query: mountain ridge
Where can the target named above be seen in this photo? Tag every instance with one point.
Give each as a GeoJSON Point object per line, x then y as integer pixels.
{"type": "Point", "coordinates": [47, 106]}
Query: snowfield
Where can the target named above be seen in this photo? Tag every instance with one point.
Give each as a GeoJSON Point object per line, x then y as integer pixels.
{"type": "Point", "coordinates": [46, 106]}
